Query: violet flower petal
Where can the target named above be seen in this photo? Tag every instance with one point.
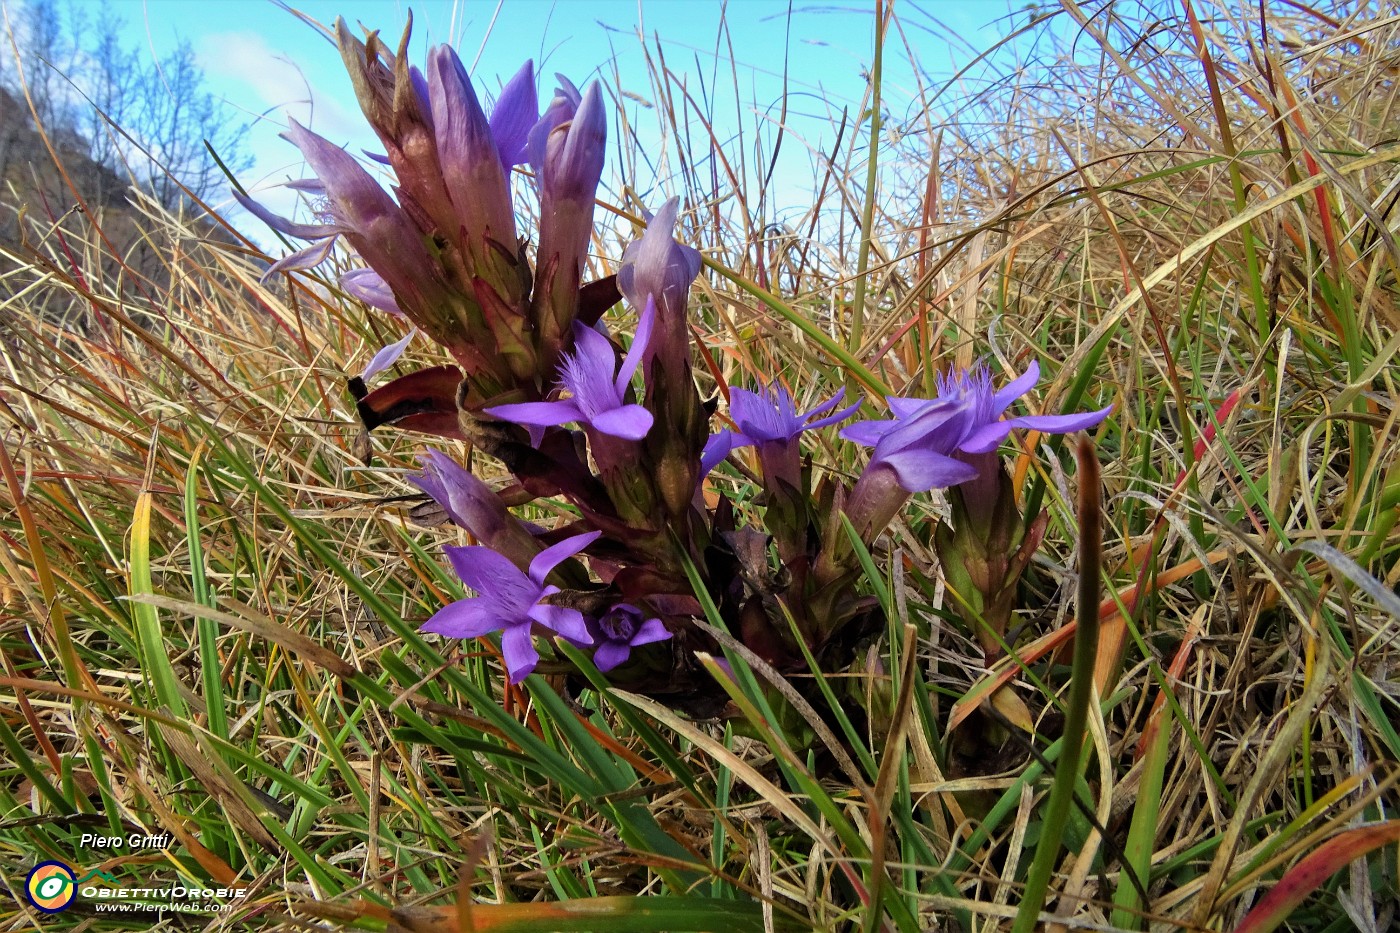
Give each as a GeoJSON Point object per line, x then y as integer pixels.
{"type": "Point", "coordinates": [516, 112]}
{"type": "Point", "coordinates": [629, 422]}
{"type": "Point", "coordinates": [554, 555]}
{"type": "Point", "coordinates": [386, 357]}
{"type": "Point", "coordinates": [867, 433]}
{"type": "Point", "coordinates": [771, 416]}
{"type": "Point", "coordinates": [964, 421]}
{"type": "Point", "coordinates": [356, 198]}
{"type": "Point", "coordinates": [717, 448]}
{"type": "Point", "coordinates": [1003, 397]}
{"type": "Point", "coordinates": [841, 415]}
{"type": "Point", "coordinates": [466, 618]}
{"type": "Point", "coordinates": [519, 651]}
{"type": "Point", "coordinates": [652, 630]}
{"type": "Point", "coordinates": [369, 286]}
{"type": "Point", "coordinates": [922, 470]}
{"type": "Point", "coordinates": [379, 230]}
{"type": "Point", "coordinates": [826, 406]}
{"type": "Point", "coordinates": [758, 417]}
{"type": "Point", "coordinates": [610, 654]}
{"type": "Point", "coordinates": [561, 109]}
{"type": "Point", "coordinates": [1061, 424]}
{"type": "Point", "coordinates": [420, 87]}
{"type": "Point", "coordinates": [492, 575]}
{"type": "Point", "coordinates": [640, 341]}
{"type": "Point", "coordinates": [540, 414]}
{"type": "Point", "coordinates": [588, 372]}
{"type": "Point", "coordinates": [567, 622]}
{"type": "Point", "coordinates": [308, 257]}
{"type": "Point", "coordinates": [656, 265]}
{"type": "Point", "coordinates": [928, 427]}
{"type": "Point", "coordinates": [476, 183]}
{"type": "Point", "coordinates": [573, 159]}
{"type": "Point", "coordinates": [904, 407]}
{"type": "Point", "coordinates": [986, 438]}
{"type": "Point", "coordinates": [473, 505]}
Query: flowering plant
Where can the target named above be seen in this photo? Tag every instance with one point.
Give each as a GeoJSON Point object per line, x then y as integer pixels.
{"type": "Point", "coordinates": [621, 435]}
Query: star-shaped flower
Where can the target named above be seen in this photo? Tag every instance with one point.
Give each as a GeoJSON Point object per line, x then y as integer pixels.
{"type": "Point", "coordinates": [621, 629]}
{"type": "Point", "coordinates": [928, 440]}
{"type": "Point", "coordinates": [767, 418]}
{"type": "Point", "coordinates": [511, 602]}
{"type": "Point", "coordinates": [597, 388]}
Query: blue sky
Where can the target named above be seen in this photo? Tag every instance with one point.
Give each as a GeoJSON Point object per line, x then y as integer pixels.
{"type": "Point", "coordinates": [267, 64]}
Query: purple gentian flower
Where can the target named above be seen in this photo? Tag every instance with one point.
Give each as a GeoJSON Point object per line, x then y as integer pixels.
{"type": "Point", "coordinates": [374, 224]}
{"type": "Point", "coordinates": [597, 389]}
{"type": "Point", "coordinates": [928, 441]}
{"type": "Point", "coordinates": [474, 506]}
{"type": "Point", "coordinates": [574, 151]}
{"type": "Point", "coordinates": [657, 267]}
{"type": "Point", "coordinates": [567, 148]}
{"type": "Point", "coordinates": [510, 601]}
{"type": "Point", "coordinates": [562, 108]}
{"type": "Point", "coordinates": [472, 167]}
{"type": "Point", "coordinates": [621, 629]}
{"type": "Point", "coordinates": [657, 270]}
{"type": "Point", "coordinates": [941, 442]}
{"type": "Point", "coordinates": [768, 419]}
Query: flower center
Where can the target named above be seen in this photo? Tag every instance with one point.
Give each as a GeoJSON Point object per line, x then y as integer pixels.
{"type": "Point", "coordinates": [618, 625]}
{"type": "Point", "coordinates": [589, 381]}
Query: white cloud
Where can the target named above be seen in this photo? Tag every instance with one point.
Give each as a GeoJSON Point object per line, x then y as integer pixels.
{"type": "Point", "coordinates": [264, 80]}
{"type": "Point", "coordinates": [267, 85]}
